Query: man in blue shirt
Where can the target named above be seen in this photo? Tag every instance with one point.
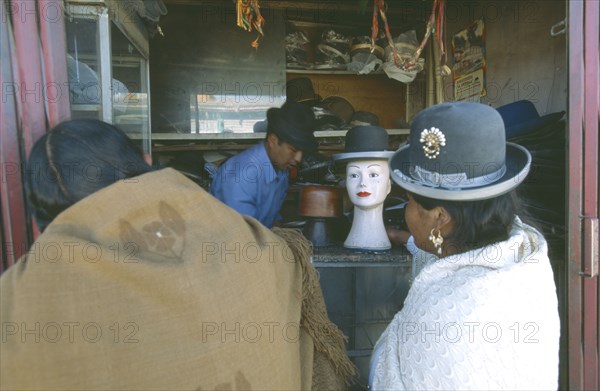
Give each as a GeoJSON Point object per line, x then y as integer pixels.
{"type": "Point", "coordinates": [255, 182]}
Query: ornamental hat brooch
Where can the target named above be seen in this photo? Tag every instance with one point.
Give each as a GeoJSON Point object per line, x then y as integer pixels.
{"type": "Point", "coordinates": [433, 140]}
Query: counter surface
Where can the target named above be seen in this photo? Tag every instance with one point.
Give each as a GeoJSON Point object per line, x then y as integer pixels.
{"type": "Point", "coordinates": [339, 256]}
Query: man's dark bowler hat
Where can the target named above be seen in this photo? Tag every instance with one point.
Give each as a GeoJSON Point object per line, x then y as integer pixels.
{"type": "Point", "coordinates": [293, 123]}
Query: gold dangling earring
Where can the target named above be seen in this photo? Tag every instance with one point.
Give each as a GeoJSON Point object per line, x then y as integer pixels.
{"type": "Point", "coordinates": [437, 240]}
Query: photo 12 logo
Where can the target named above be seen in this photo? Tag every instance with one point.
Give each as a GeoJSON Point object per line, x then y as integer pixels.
{"type": "Point", "coordinates": [250, 332]}
{"type": "Point", "coordinates": [469, 332]}
{"type": "Point", "coordinates": [23, 11]}
{"type": "Point", "coordinates": [69, 332]}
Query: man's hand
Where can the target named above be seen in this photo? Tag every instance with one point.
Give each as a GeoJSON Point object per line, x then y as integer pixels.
{"type": "Point", "coordinates": [398, 237]}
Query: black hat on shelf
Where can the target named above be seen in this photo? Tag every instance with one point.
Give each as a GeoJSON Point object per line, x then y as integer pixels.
{"type": "Point", "coordinates": [521, 117]}
{"type": "Point", "coordinates": [364, 118]}
{"type": "Point", "coordinates": [300, 90]}
{"type": "Point", "coordinates": [339, 106]}
{"type": "Point", "coordinates": [260, 126]}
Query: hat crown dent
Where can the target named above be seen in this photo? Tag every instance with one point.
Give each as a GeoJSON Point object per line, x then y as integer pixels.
{"type": "Point", "coordinates": [475, 148]}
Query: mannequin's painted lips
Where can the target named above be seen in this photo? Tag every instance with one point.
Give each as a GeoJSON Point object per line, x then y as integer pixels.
{"type": "Point", "coordinates": [363, 194]}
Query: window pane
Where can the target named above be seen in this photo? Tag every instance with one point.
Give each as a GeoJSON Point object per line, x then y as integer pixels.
{"type": "Point", "coordinates": [129, 88]}
{"type": "Point", "coordinates": [83, 63]}
{"type": "Point", "coordinates": [206, 76]}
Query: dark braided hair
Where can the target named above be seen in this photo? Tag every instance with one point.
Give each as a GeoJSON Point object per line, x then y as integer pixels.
{"type": "Point", "coordinates": [75, 159]}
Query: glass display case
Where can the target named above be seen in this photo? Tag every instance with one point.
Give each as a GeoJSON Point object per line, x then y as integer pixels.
{"type": "Point", "coordinates": [362, 302]}
{"type": "Point", "coordinates": [363, 291]}
{"type": "Point", "coordinates": [108, 74]}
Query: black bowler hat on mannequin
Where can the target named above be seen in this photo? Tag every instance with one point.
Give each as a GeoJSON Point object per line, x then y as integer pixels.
{"type": "Point", "coordinates": [365, 142]}
{"type": "Point", "coordinates": [293, 123]}
{"type": "Point", "coordinates": [457, 151]}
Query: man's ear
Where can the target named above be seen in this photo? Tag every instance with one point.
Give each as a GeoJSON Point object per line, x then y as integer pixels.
{"type": "Point", "coordinates": [272, 139]}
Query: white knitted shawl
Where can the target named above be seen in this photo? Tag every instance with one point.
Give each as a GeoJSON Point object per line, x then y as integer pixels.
{"type": "Point", "coordinates": [484, 319]}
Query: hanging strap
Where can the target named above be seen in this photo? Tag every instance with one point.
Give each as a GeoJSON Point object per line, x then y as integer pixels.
{"type": "Point", "coordinates": [435, 23]}
{"type": "Point", "coordinates": [378, 7]}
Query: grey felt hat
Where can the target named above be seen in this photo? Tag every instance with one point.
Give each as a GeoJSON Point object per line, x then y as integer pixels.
{"type": "Point", "coordinates": [458, 151]}
{"type": "Point", "coordinates": [365, 142]}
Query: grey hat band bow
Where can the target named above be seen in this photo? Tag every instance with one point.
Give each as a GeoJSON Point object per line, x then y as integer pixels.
{"type": "Point", "coordinates": [455, 181]}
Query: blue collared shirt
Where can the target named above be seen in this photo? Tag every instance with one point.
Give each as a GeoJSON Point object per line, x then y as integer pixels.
{"type": "Point", "coordinates": [250, 184]}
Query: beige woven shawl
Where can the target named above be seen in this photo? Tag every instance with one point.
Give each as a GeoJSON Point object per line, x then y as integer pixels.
{"type": "Point", "coordinates": [153, 284]}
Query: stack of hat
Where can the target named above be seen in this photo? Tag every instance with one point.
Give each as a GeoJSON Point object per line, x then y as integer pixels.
{"type": "Point", "coordinates": [298, 50]}
{"type": "Point", "coordinates": [362, 44]}
{"type": "Point", "coordinates": [365, 57]}
{"type": "Point", "coordinates": [333, 112]}
{"type": "Point", "coordinates": [300, 90]}
{"type": "Point", "coordinates": [333, 51]}
{"type": "Point", "coordinates": [364, 118]}
{"type": "Point", "coordinates": [341, 110]}
{"type": "Point", "coordinates": [543, 192]}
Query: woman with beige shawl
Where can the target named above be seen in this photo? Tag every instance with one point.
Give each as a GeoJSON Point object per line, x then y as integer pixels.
{"type": "Point", "coordinates": [141, 280]}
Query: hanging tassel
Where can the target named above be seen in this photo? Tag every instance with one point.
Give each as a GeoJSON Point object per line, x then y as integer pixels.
{"type": "Point", "coordinates": [248, 17]}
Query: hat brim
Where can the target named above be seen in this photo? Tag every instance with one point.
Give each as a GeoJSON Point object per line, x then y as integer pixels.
{"type": "Point", "coordinates": [309, 144]}
{"type": "Point", "coordinates": [518, 164]}
{"type": "Point", "coordinates": [309, 101]}
{"type": "Point", "coordinates": [346, 156]}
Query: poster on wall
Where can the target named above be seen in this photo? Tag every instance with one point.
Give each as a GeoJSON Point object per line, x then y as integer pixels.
{"type": "Point", "coordinates": [468, 69]}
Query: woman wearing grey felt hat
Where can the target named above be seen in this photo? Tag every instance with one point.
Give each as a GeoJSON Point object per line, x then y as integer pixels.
{"type": "Point", "coordinates": [476, 264]}
{"type": "Point", "coordinates": [368, 184]}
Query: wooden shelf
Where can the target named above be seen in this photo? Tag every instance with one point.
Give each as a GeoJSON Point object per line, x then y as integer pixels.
{"type": "Point", "coordinates": [330, 72]}
{"type": "Point", "coordinates": [85, 107]}
{"type": "Point", "coordinates": [205, 136]}
{"type": "Point", "coordinates": [250, 136]}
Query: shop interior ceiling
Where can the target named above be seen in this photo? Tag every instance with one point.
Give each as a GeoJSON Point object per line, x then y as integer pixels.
{"type": "Point", "coordinates": [402, 14]}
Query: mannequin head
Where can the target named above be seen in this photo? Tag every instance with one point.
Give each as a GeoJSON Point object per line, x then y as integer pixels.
{"type": "Point", "coordinates": [368, 182]}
